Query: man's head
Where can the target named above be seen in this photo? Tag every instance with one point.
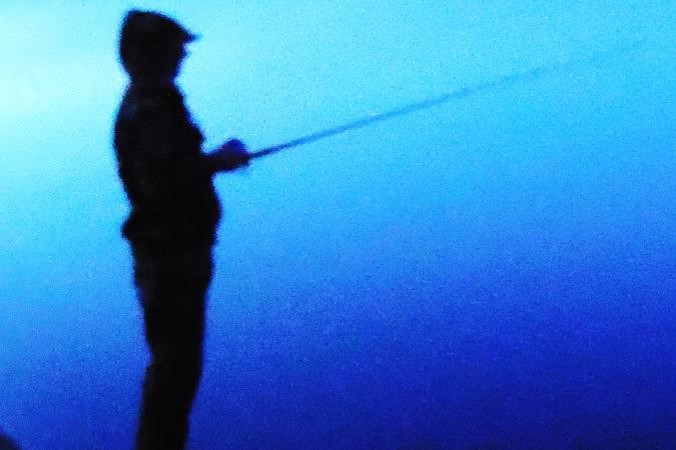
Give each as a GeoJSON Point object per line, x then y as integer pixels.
{"type": "Point", "coordinates": [152, 45]}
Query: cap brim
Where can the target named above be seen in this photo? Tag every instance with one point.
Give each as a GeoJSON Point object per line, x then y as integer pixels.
{"type": "Point", "coordinates": [190, 37]}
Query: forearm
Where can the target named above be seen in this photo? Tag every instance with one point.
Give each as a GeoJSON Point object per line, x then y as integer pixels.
{"type": "Point", "coordinates": [211, 163]}
{"type": "Point", "coordinates": [228, 157]}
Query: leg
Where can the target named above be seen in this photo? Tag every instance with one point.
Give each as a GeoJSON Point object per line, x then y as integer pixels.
{"type": "Point", "coordinates": [172, 292]}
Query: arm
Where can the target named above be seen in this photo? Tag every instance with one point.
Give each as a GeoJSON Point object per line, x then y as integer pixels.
{"type": "Point", "coordinates": [230, 156]}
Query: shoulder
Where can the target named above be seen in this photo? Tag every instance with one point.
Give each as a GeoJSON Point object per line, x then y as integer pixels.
{"type": "Point", "coordinates": [157, 119]}
{"type": "Point", "coordinates": [147, 104]}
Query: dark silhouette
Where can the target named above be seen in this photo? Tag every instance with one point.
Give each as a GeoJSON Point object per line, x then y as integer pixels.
{"type": "Point", "coordinates": [6, 443]}
{"type": "Point", "coordinates": [173, 219]}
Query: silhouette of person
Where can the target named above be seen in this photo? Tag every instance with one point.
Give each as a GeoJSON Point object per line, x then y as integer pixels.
{"type": "Point", "coordinates": [172, 224]}
{"type": "Point", "coordinates": [7, 443]}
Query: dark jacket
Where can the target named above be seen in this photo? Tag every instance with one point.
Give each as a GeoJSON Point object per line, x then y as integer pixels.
{"type": "Point", "coordinates": [164, 172]}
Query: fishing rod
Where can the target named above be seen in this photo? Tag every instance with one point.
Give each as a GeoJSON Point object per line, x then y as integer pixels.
{"type": "Point", "coordinates": [458, 94]}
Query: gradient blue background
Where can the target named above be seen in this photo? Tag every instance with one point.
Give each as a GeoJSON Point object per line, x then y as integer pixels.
{"type": "Point", "coordinates": [499, 271]}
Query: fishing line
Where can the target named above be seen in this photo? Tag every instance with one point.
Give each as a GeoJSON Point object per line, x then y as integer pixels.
{"type": "Point", "coordinates": [458, 94]}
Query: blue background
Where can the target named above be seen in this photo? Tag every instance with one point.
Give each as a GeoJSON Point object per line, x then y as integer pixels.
{"type": "Point", "coordinates": [498, 271]}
